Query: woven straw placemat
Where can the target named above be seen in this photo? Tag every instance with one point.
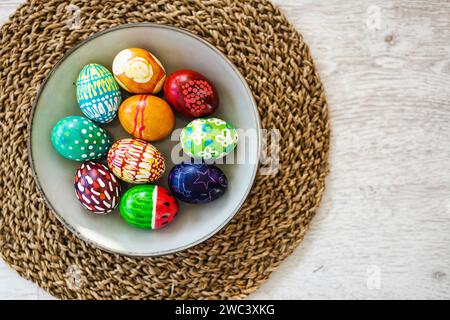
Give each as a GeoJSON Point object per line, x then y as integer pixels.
{"type": "Point", "coordinates": [277, 65]}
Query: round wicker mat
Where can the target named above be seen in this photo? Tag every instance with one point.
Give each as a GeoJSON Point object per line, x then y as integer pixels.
{"type": "Point", "coordinates": [277, 65]}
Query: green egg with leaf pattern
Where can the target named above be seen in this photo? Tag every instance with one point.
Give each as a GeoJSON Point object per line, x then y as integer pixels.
{"type": "Point", "coordinates": [80, 139]}
{"type": "Point", "coordinates": [208, 138]}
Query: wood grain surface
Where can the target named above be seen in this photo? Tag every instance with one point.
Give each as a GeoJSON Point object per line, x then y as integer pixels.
{"type": "Point", "coordinates": [383, 229]}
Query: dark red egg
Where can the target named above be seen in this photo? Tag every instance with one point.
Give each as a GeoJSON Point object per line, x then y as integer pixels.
{"type": "Point", "coordinates": [191, 93]}
{"type": "Point", "coordinates": [96, 187]}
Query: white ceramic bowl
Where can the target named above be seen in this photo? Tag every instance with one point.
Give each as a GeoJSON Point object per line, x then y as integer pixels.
{"type": "Point", "coordinates": [177, 49]}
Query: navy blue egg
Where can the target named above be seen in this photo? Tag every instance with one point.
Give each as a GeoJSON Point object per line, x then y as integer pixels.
{"type": "Point", "coordinates": [197, 183]}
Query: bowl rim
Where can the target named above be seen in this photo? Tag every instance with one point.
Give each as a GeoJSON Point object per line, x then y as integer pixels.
{"type": "Point", "coordinates": [30, 148]}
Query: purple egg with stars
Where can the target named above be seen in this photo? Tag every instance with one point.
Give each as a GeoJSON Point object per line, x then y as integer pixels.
{"type": "Point", "coordinates": [197, 183]}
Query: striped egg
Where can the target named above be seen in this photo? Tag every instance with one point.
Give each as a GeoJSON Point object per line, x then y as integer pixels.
{"type": "Point", "coordinates": [98, 93]}
{"type": "Point", "coordinates": [96, 187]}
{"type": "Point", "coordinates": [135, 161]}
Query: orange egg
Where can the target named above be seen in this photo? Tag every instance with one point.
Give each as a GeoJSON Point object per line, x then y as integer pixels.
{"type": "Point", "coordinates": [138, 71]}
{"type": "Point", "coordinates": [146, 117]}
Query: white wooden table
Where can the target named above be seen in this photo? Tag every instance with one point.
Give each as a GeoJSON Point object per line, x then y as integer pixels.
{"type": "Point", "coordinates": [383, 229]}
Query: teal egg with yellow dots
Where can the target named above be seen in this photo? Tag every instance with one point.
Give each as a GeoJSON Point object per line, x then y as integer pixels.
{"type": "Point", "coordinates": [208, 138]}
{"type": "Point", "coordinates": [98, 93]}
{"type": "Point", "coordinates": [80, 139]}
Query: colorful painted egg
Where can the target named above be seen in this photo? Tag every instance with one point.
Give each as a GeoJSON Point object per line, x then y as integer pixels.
{"type": "Point", "coordinates": [208, 138]}
{"type": "Point", "coordinates": [191, 93]}
{"type": "Point", "coordinates": [148, 207]}
{"type": "Point", "coordinates": [146, 117]}
{"type": "Point", "coordinates": [96, 187]}
{"type": "Point", "coordinates": [80, 139]}
{"type": "Point", "coordinates": [138, 71]}
{"type": "Point", "coordinates": [197, 183]}
{"type": "Point", "coordinates": [136, 161]}
{"type": "Point", "coordinates": [98, 94]}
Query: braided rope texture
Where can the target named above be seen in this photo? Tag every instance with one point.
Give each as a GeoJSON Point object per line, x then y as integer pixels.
{"type": "Point", "coordinates": [278, 67]}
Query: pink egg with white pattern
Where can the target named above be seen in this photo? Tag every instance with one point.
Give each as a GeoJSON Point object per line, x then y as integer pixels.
{"type": "Point", "coordinates": [96, 187]}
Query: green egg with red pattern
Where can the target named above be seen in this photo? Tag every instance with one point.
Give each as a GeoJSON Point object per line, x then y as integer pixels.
{"type": "Point", "coordinates": [148, 207]}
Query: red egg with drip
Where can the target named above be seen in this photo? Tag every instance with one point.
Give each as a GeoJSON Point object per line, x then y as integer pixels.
{"type": "Point", "coordinates": [191, 93]}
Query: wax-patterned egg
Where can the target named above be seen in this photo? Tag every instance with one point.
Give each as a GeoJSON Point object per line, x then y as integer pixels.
{"type": "Point", "coordinates": [208, 138]}
{"type": "Point", "coordinates": [148, 207]}
{"type": "Point", "coordinates": [135, 161]}
{"type": "Point", "coordinates": [98, 93]}
{"type": "Point", "coordinates": [138, 71]}
{"type": "Point", "coordinates": [78, 138]}
{"type": "Point", "coordinates": [146, 117]}
{"type": "Point", "coordinates": [191, 93]}
{"type": "Point", "coordinates": [197, 183]}
{"type": "Point", "coordinates": [96, 187]}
